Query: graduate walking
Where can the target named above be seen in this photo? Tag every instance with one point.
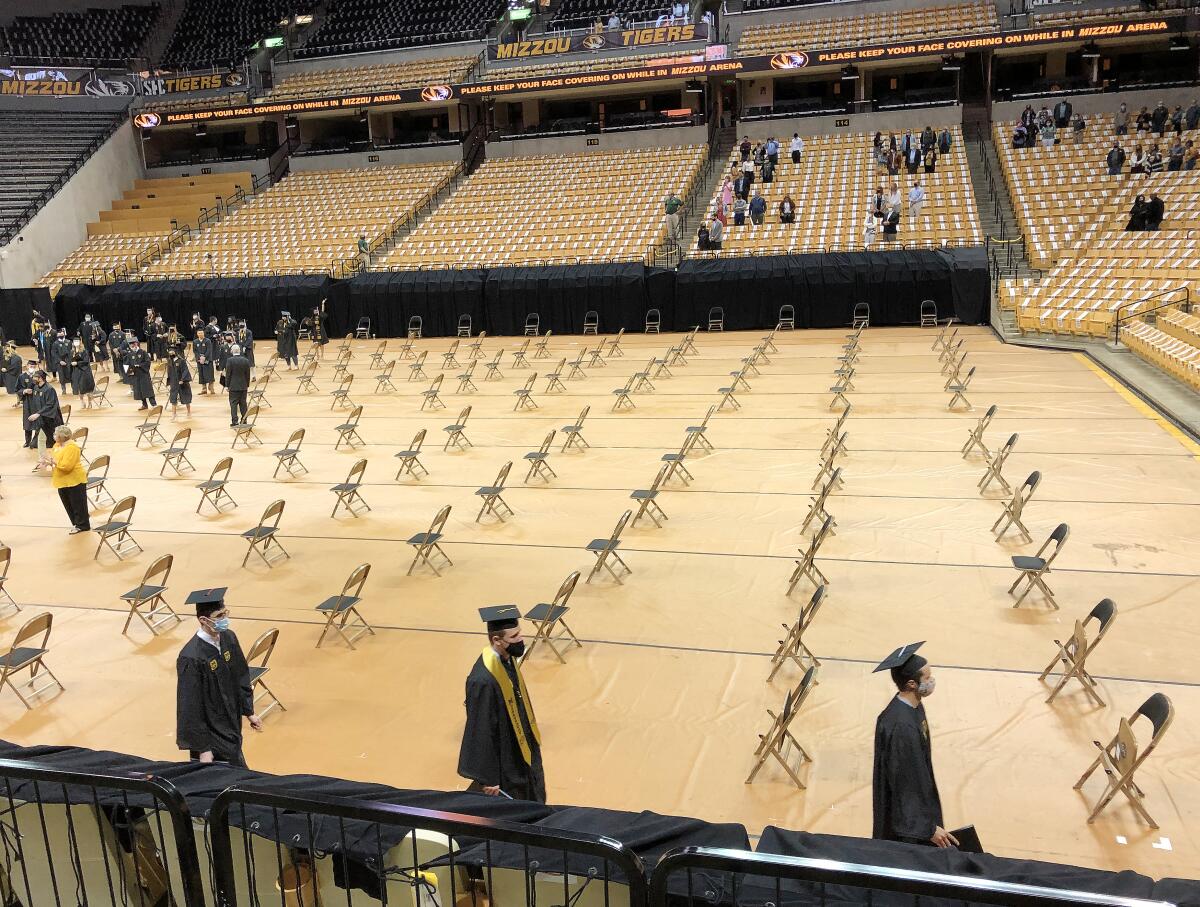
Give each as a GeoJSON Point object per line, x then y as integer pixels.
{"type": "Point", "coordinates": [137, 367]}
{"type": "Point", "coordinates": [501, 749]}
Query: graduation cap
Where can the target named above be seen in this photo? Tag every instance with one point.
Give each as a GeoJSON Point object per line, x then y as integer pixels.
{"type": "Point", "coordinates": [500, 617]}
{"type": "Point", "coordinates": [207, 601]}
{"type": "Point", "coordinates": [905, 664]}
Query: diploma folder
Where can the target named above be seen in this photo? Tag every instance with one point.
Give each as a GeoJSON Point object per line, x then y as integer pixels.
{"type": "Point", "coordinates": [968, 839]}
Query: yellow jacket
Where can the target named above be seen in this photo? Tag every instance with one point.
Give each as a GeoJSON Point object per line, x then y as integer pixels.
{"type": "Point", "coordinates": [68, 468]}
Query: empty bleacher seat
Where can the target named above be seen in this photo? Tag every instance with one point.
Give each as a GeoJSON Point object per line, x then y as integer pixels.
{"type": "Point", "coordinates": [103, 36]}
{"type": "Point", "coordinates": [361, 25]}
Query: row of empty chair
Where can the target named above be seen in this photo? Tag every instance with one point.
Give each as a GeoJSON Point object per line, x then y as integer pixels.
{"type": "Point", "coordinates": [220, 32]}
{"type": "Point", "coordinates": [583, 13]}
{"type": "Point", "coordinates": [105, 36]}
{"type": "Point", "coordinates": [361, 25]}
{"type": "Point", "coordinates": [589, 206]}
{"type": "Point", "coordinates": [1161, 347]}
{"type": "Point", "coordinates": [1068, 17]}
{"type": "Point", "coordinates": [873, 28]}
{"type": "Point", "coordinates": [381, 77]}
{"type": "Point", "coordinates": [542, 70]}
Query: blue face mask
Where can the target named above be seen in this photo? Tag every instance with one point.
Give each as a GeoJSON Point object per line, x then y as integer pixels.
{"type": "Point", "coordinates": [221, 623]}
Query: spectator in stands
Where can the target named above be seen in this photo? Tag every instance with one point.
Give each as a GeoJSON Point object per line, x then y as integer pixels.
{"type": "Point", "coordinates": [878, 203]}
{"type": "Point", "coordinates": [745, 148]}
{"type": "Point", "coordinates": [787, 210]}
{"type": "Point", "coordinates": [772, 151]}
{"type": "Point", "coordinates": [1154, 160]}
{"type": "Point", "coordinates": [1175, 155]}
{"type": "Point", "coordinates": [70, 479]}
{"type": "Point", "coordinates": [912, 159]}
{"type": "Point", "coordinates": [1020, 138]}
{"type": "Point", "coordinates": [758, 209]}
{"type": "Point", "coordinates": [1028, 117]}
{"type": "Point", "coordinates": [1137, 163]}
{"type": "Point", "coordinates": [679, 11]}
{"type": "Point", "coordinates": [1154, 212]}
{"type": "Point", "coordinates": [739, 212]}
{"type": "Point", "coordinates": [877, 148]}
{"type": "Point", "coordinates": [721, 216]}
{"type": "Point", "coordinates": [741, 187]}
{"type": "Point", "coordinates": [1048, 133]}
{"type": "Point", "coordinates": [760, 154]}
{"type": "Point", "coordinates": [869, 230]}
{"type": "Point", "coordinates": [1062, 113]}
{"type": "Point", "coordinates": [727, 193]}
{"type": "Point", "coordinates": [716, 233]}
{"type": "Point", "coordinates": [893, 199]}
{"type": "Point", "coordinates": [748, 173]}
{"type": "Point", "coordinates": [916, 201]}
{"type": "Point", "coordinates": [892, 141]}
{"type": "Point", "coordinates": [1137, 214]}
{"type": "Point", "coordinates": [1142, 124]}
{"type": "Point", "coordinates": [893, 162]}
{"type": "Point", "coordinates": [1044, 116]}
{"type": "Point", "coordinates": [1191, 156]}
{"type": "Point", "coordinates": [1121, 120]}
{"type": "Point", "coordinates": [928, 139]}
{"type": "Point", "coordinates": [945, 141]}
{"type": "Point", "coordinates": [702, 242]}
{"type": "Point", "coordinates": [1115, 159]}
{"type": "Point", "coordinates": [891, 224]}
{"type": "Point", "coordinates": [1078, 125]}
{"type": "Point", "coordinates": [1177, 120]}
{"type": "Point", "coordinates": [931, 157]}
{"type": "Point", "coordinates": [614, 22]}
{"type": "Point", "coordinates": [1192, 117]}
{"type": "Point", "coordinates": [674, 219]}
{"type": "Point", "coordinates": [1158, 119]}
{"type": "Point", "coordinates": [797, 146]}
{"type": "Point", "coordinates": [768, 171]}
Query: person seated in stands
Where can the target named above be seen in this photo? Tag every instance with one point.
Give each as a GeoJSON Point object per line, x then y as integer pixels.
{"type": "Point", "coordinates": [1020, 136]}
{"type": "Point", "coordinates": [1078, 125]}
{"type": "Point", "coordinates": [1154, 160]}
{"type": "Point", "coordinates": [945, 141]}
{"type": "Point", "coordinates": [597, 26]}
{"type": "Point", "coordinates": [1137, 214]}
{"type": "Point", "coordinates": [739, 212]}
{"type": "Point", "coordinates": [1190, 155]}
{"type": "Point", "coordinates": [891, 224]}
{"type": "Point", "coordinates": [893, 161]}
{"type": "Point", "coordinates": [1115, 159]}
{"type": "Point", "coordinates": [1192, 117]}
{"type": "Point", "coordinates": [716, 233]}
{"type": "Point", "coordinates": [1154, 212]}
{"type": "Point", "coordinates": [869, 229]}
{"type": "Point", "coordinates": [1177, 120]}
{"type": "Point", "coordinates": [1048, 133]}
{"type": "Point", "coordinates": [1121, 119]}
{"type": "Point", "coordinates": [893, 199]}
{"type": "Point", "coordinates": [797, 146]}
{"type": "Point", "coordinates": [1137, 163]}
{"type": "Point", "coordinates": [1159, 117]}
{"type": "Point", "coordinates": [1142, 124]}
{"type": "Point", "coordinates": [745, 148]}
{"type": "Point", "coordinates": [758, 209]}
{"type": "Point", "coordinates": [878, 203]}
{"type": "Point", "coordinates": [931, 157]}
{"type": "Point", "coordinates": [928, 139]}
{"type": "Point", "coordinates": [1062, 113]}
{"type": "Point", "coordinates": [1175, 155]}
{"type": "Point", "coordinates": [702, 243]}
{"type": "Point", "coordinates": [787, 210]}
{"type": "Point", "coordinates": [772, 151]}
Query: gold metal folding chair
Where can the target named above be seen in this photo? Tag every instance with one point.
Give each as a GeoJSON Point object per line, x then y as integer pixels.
{"type": "Point", "coordinates": [257, 395]}
{"type": "Point", "coordinates": [554, 378]}
{"type": "Point", "coordinates": [953, 372]}
{"type": "Point", "coordinates": [341, 365]}
{"type": "Point", "coordinates": [455, 432]}
{"type": "Point", "coordinates": [288, 458]}
{"type": "Point", "coordinates": [573, 433]}
{"type": "Point", "coordinates": [263, 539]}
{"type": "Point", "coordinates": [614, 345]}
{"type": "Point", "coordinates": [1014, 508]}
{"type": "Point", "coordinates": [575, 366]}
{"type": "Point", "coordinates": [835, 437]}
{"type": "Point", "coordinates": [1121, 758]}
{"type": "Point", "coordinates": [647, 499]}
{"type": "Point", "coordinates": [427, 544]}
{"type": "Point", "coordinates": [466, 383]}
{"type": "Point", "coordinates": [806, 566]}
{"type": "Point", "coordinates": [28, 653]}
{"type": "Point", "coordinates": [995, 466]}
{"type": "Point", "coordinates": [410, 459]}
{"type": "Point", "coordinates": [97, 481]}
{"type": "Point", "coordinates": [464, 325]}
{"type": "Point", "coordinates": [148, 429]}
{"type": "Point", "coordinates": [951, 358]}
{"type": "Point", "coordinates": [430, 397]}
{"type": "Point", "coordinates": [653, 322]}
{"type": "Point", "coordinates": [304, 381]}
{"type": "Point", "coordinates": [6, 599]}
{"type": "Point", "coordinates": [539, 461]}
{"type": "Point", "coordinates": [376, 360]}
{"type": "Point", "coordinates": [928, 313]}
{"type": "Point", "coordinates": [340, 395]}
{"type": "Point", "coordinates": [542, 349]}
{"type": "Point", "coordinates": [475, 347]}
{"type": "Point", "coordinates": [701, 431]}
{"type": "Point", "coordinates": [493, 367]}
{"type": "Point", "coordinates": [828, 464]}
{"type": "Point", "coordinates": [348, 430]}
{"type": "Point", "coordinates": [548, 617]}
{"type": "Point", "coordinates": [270, 371]}
{"type": "Point", "coordinates": [383, 380]}
{"type": "Point", "coordinates": [606, 550]}
{"type": "Point", "coordinates": [65, 411]}
{"type": "Point", "coordinates": [958, 391]}
{"type": "Point", "coordinates": [214, 490]}
{"type": "Point", "coordinates": [1073, 654]}
{"type": "Point", "coordinates": [792, 647]}
{"type": "Point", "coordinates": [175, 455]}
{"type": "Point", "coordinates": [623, 398]}
{"type": "Point", "coordinates": [450, 357]}
{"type": "Point", "coordinates": [406, 350]}
{"type": "Point", "coordinates": [115, 534]}
{"type": "Point", "coordinates": [416, 369]}
{"type": "Point", "coordinates": [244, 432]}
{"type": "Point", "coordinates": [349, 492]}
{"type": "Point", "coordinates": [524, 395]}
{"type": "Point", "coordinates": [80, 437]}
{"type": "Point", "coordinates": [728, 398]}
{"type": "Point", "coordinates": [641, 379]}
{"type": "Point", "coordinates": [597, 357]}
{"type": "Point", "coordinates": [492, 496]}
{"type": "Point", "coordinates": [779, 741]}
{"type": "Point", "coordinates": [591, 322]}
{"type": "Point", "coordinates": [533, 323]}
{"type": "Point", "coordinates": [1033, 569]}
{"type": "Point", "coordinates": [675, 461]}
{"type": "Point", "coordinates": [817, 510]}
{"type": "Point", "coordinates": [519, 360]}
{"type": "Point", "coordinates": [415, 324]}
{"type": "Point", "coordinates": [839, 391]}
{"type": "Point", "coordinates": [146, 602]}
{"type": "Point", "coordinates": [975, 438]}
{"type": "Point", "coordinates": [341, 611]}
{"type": "Point", "coordinates": [689, 340]}
{"type": "Point", "coordinates": [97, 398]}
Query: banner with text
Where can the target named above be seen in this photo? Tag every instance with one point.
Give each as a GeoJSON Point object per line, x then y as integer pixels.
{"type": "Point", "coordinates": [617, 39]}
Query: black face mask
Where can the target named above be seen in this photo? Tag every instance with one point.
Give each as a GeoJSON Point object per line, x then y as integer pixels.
{"type": "Point", "coordinates": [516, 649]}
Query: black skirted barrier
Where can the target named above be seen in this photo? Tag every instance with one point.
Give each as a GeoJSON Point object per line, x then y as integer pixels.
{"type": "Point", "coordinates": [823, 288]}
{"type": "Point", "coordinates": [16, 311]}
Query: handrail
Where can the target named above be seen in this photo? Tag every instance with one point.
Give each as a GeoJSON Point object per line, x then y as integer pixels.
{"type": "Point", "coordinates": [1119, 319]}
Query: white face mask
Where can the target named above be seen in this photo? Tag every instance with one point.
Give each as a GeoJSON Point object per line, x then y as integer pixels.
{"type": "Point", "coordinates": [926, 687]}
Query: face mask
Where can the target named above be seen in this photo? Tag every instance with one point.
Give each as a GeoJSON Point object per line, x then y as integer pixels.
{"type": "Point", "coordinates": [925, 687]}
{"type": "Point", "coordinates": [221, 623]}
{"type": "Point", "coordinates": [516, 649]}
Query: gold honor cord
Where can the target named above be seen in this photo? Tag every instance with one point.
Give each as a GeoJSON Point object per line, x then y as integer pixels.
{"type": "Point", "coordinates": [491, 661]}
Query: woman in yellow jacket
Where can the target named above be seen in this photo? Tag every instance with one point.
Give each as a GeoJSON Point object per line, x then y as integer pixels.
{"type": "Point", "coordinates": [70, 478]}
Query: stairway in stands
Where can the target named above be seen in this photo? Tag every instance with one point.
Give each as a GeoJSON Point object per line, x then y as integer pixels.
{"type": "Point", "coordinates": [702, 192]}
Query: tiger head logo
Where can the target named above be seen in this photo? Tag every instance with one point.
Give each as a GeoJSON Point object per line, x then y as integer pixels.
{"type": "Point", "coordinates": [789, 60]}
{"type": "Point", "coordinates": [436, 93]}
{"type": "Point", "coordinates": [147, 120]}
{"type": "Point", "coordinates": [593, 42]}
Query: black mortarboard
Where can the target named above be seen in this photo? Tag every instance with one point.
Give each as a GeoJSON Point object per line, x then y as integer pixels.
{"type": "Point", "coordinates": [905, 664]}
{"type": "Point", "coordinates": [207, 601]}
{"type": "Point", "coordinates": [500, 617]}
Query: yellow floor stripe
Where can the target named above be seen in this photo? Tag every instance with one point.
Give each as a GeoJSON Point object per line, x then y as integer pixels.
{"type": "Point", "coordinates": [1142, 407]}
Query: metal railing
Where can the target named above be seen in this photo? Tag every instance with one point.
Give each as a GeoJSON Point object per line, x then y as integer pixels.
{"type": "Point", "coordinates": [1180, 298]}
{"type": "Point", "coordinates": [879, 246]}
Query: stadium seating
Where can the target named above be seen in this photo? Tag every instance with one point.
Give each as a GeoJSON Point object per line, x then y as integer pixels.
{"type": "Point", "coordinates": [39, 151]}
{"type": "Point", "coordinates": [382, 77]}
{"type": "Point", "coordinates": [219, 32]}
{"type": "Point", "coordinates": [1162, 348]}
{"type": "Point", "coordinates": [104, 37]}
{"type": "Point", "coordinates": [165, 104]}
{"type": "Point", "coordinates": [307, 221]}
{"type": "Point", "coordinates": [1068, 17]}
{"type": "Point", "coordinates": [358, 25]}
{"type": "Point", "coordinates": [832, 188]}
{"type": "Point", "coordinates": [583, 13]}
{"type": "Point", "coordinates": [542, 70]}
{"type": "Point", "coordinates": [873, 28]}
{"type": "Point", "coordinates": [591, 207]}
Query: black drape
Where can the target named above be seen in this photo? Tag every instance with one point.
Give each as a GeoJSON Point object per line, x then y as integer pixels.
{"type": "Point", "coordinates": [390, 299]}
{"type": "Point", "coordinates": [562, 294]}
{"type": "Point", "coordinates": [16, 311]}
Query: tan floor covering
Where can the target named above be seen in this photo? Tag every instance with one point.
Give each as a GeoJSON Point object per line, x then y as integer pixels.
{"type": "Point", "coordinates": [660, 709]}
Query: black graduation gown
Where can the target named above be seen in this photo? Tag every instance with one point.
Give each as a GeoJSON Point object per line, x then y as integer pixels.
{"type": "Point", "coordinates": [82, 379]}
{"type": "Point", "coordinates": [904, 793]}
{"type": "Point", "coordinates": [490, 753]}
{"type": "Point", "coordinates": [158, 341]}
{"type": "Point", "coordinates": [202, 350]}
{"type": "Point", "coordinates": [116, 346]}
{"type": "Point", "coordinates": [137, 366]}
{"type": "Point", "coordinates": [179, 380]}
{"type": "Point", "coordinates": [96, 340]}
{"type": "Point", "coordinates": [60, 361]}
{"type": "Point", "coordinates": [25, 383]}
{"type": "Point", "coordinates": [44, 402]}
{"type": "Point", "coordinates": [318, 331]}
{"type": "Point", "coordinates": [11, 369]}
{"type": "Point", "coordinates": [285, 339]}
{"type": "Point", "coordinates": [245, 339]}
{"type": "Point", "coordinates": [212, 696]}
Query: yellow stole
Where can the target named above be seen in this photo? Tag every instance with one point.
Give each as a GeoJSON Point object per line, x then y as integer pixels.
{"type": "Point", "coordinates": [491, 661]}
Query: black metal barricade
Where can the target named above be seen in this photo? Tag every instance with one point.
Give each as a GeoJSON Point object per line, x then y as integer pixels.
{"type": "Point", "coordinates": [315, 851]}
{"type": "Point", "coordinates": [95, 839]}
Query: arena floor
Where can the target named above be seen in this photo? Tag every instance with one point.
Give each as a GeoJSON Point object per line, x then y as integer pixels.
{"type": "Point", "coordinates": [661, 707]}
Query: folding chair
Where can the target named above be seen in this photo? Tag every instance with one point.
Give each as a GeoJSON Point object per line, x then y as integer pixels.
{"type": "Point", "coordinates": [415, 323]}
{"type": "Point", "coordinates": [806, 566]}
{"type": "Point", "coordinates": [410, 459]}
{"type": "Point", "coordinates": [1014, 508]}
{"type": "Point", "coordinates": [675, 462]}
{"type": "Point", "coordinates": [777, 742]}
{"type": "Point", "coordinates": [80, 437]}
{"type": "Point", "coordinates": [148, 429]}
{"type": "Point", "coordinates": [1121, 758]}
{"type": "Point", "coordinates": [270, 369]}
{"type": "Point", "coordinates": [975, 438]}
{"type": "Point", "coordinates": [348, 430]}
{"type": "Point", "coordinates": [675, 355]}
{"type": "Point", "coordinates": [839, 394]}
{"type": "Point", "coordinates": [995, 466]}
{"type": "Point", "coordinates": [614, 346]}
{"type": "Point", "coordinates": [519, 360]}
{"type": "Point", "coordinates": [97, 478]}
{"type": "Point", "coordinates": [828, 467]}
{"type": "Point", "coordinates": [647, 499]}
{"type": "Point", "coordinates": [257, 395]}
{"type": "Point", "coordinates": [845, 375]}
{"type": "Point", "coordinates": [97, 398]}
{"type": "Point", "coordinates": [792, 647]}
{"type": "Point", "coordinates": [344, 346]}
{"type": "Point", "coordinates": [376, 360]}
{"type": "Point", "coordinates": [464, 325]}
{"type": "Point", "coordinates": [787, 318]}
{"type": "Point", "coordinates": [493, 372]}
{"type": "Point", "coordinates": [341, 611]}
{"type": "Point", "coordinates": [949, 355]}
{"type": "Point", "coordinates": [289, 457]}
{"type": "Point", "coordinates": [597, 360]}
{"type": "Point", "coordinates": [427, 544]}
{"type": "Point", "coordinates": [28, 653]}
{"type": "Point", "coordinates": [1034, 569]}
{"type": "Point", "coordinates": [574, 432]}
{"type": "Point", "coordinates": [304, 381]}
{"type": "Point", "coordinates": [465, 384]}
{"type": "Point", "coordinates": [340, 395]}
{"type": "Point", "coordinates": [175, 455]}
{"type": "Point", "coordinates": [115, 534]}
{"type": "Point", "coordinates": [591, 322]}
{"type": "Point", "coordinates": [533, 323]}
{"type": "Point", "coordinates": [716, 318]}
{"type": "Point", "coordinates": [662, 366]}
{"type": "Point", "coordinates": [455, 434]}
{"type": "Point", "coordinates": [214, 490]}
{"type": "Point", "coordinates": [547, 617]}
{"type": "Point", "coordinates": [383, 380]}
{"type": "Point", "coordinates": [158, 375]}
{"type": "Point", "coordinates": [959, 390]}
{"type": "Point", "coordinates": [940, 339]}
{"type": "Point", "coordinates": [554, 378]}
{"type": "Point", "coordinates": [727, 397]}
{"type": "Point", "coordinates": [606, 549]}
{"type": "Point", "coordinates": [5, 561]}
{"type": "Point", "coordinates": [244, 430]}
{"type": "Point", "coordinates": [341, 364]}
{"type": "Point", "coordinates": [491, 496]}
{"type": "Point", "coordinates": [450, 357]}
{"type": "Point", "coordinates": [262, 538]}
{"type": "Point", "coordinates": [576, 366]}
{"type": "Point", "coordinates": [701, 430]}
{"type": "Point", "coordinates": [65, 411]}
{"type": "Point", "coordinates": [146, 602]}
{"type": "Point", "coordinates": [430, 396]}
{"type": "Point", "coordinates": [928, 313]}
{"type": "Point", "coordinates": [768, 340]}
{"type": "Point", "coordinates": [542, 349]}
{"type": "Point", "coordinates": [641, 379]}
{"type": "Point", "coordinates": [623, 398]}
{"type": "Point", "coordinates": [861, 316]}
{"type": "Point", "coordinates": [349, 494]}
{"type": "Point", "coordinates": [653, 321]}
{"type": "Point", "coordinates": [834, 437]}
{"type": "Point", "coordinates": [406, 350]}
{"type": "Point", "coordinates": [1073, 654]}
{"type": "Point", "coordinates": [817, 509]}
{"type": "Point", "coordinates": [689, 339]}
{"type": "Point", "coordinates": [416, 370]}
{"type": "Point", "coordinates": [475, 348]}
{"type": "Point", "coordinates": [524, 395]}
{"type": "Point", "coordinates": [539, 461]}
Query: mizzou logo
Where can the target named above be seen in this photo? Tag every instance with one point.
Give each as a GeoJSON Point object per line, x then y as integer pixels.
{"type": "Point", "coordinates": [789, 60]}
{"type": "Point", "coordinates": [436, 93]}
{"type": "Point", "coordinates": [593, 42]}
{"type": "Point", "coordinates": [147, 120]}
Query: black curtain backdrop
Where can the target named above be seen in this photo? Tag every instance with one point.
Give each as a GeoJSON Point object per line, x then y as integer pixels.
{"type": "Point", "coordinates": [824, 289]}
{"type": "Point", "coordinates": [16, 311]}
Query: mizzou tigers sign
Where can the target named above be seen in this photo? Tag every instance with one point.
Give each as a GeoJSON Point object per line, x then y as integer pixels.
{"type": "Point", "coordinates": [552, 45]}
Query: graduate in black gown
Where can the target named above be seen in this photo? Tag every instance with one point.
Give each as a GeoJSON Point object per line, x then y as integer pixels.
{"type": "Point", "coordinates": [60, 360]}
{"type": "Point", "coordinates": [179, 380]}
{"type": "Point", "coordinates": [202, 352]}
{"type": "Point", "coordinates": [26, 387]}
{"type": "Point", "coordinates": [213, 692]}
{"type": "Point", "coordinates": [904, 793]}
{"type": "Point", "coordinates": [286, 331]}
{"type": "Point", "coordinates": [501, 748]}
{"type": "Point", "coordinates": [82, 380]}
{"type": "Point", "coordinates": [116, 348]}
{"type": "Point", "coordinates": [10, 368]}
{"type": "Point", "coordinates": [244, 338]}
{"type": "Point", "coordinates": [95, 340]}
{"type": "Point", "coordinates": [137, 367]}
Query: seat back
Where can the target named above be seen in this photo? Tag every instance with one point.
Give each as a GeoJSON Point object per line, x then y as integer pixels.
{"type": "Point", "coordinates": [439, 521]}
{"type": "Point", "coordinates": [986, 419]}
{"type": "Point", "coordinates": [619, 528]}
{"type": "Point", "coordinates": [496, 359]}
{"type": "Point", "coordinates": [272, 515]}
{"type": "Point", "coordinates": [708, 415]}
{"type": "Point", "coordinates": [354, 477]}
{"type": "Point", "coordinates": [159, 572]}
{"type": "Point", "coordinates": [502, 475]}
{"type": "Point", "coordinates": [39, 625]}
{"type": "Point", "coordinates": [583, 414]}
{"type": "Point", "coordinates": [220, 472]}
{"type": "Point", "coordinates": [547, 441]}
{"type": "Point", "coordinates": [809, 611]}
{"type": "Point", "coordinates": [464, 415]}
{"type": "Point", "coordinates": [1160, 712]}
{"type": "Point", "coordinates": [181, 439]}
{"type": "Point", "coordinates": [1028, 487]}
{"type": "Point", "coordinates": [470, 369]}
{"type": "Point", "coordinates": [529, 382]}
{"type": "Point", "coordinates": [453, 349]}
{"type": "Point", "coordinates": [347, 380]}
{"type": "Point", "coordinates": [523, 348]}
{"type": "Point", "coordinates": [389, 369]}
{"type": "Point", "coordinates": [563, 595]}
{"type": "Point", "coordinates": [437, 383]}
{"type": "Point", "coordinates": [98, 469]}
{"type": "Point", "coordinates": [1104, 614]}
{"type": "Point", "coordinates": [660, 478]}
{"type": "Point", "coordinates": [80, 437]}
{"type": "Point", "coordinates": [251, 416]}
{"type": "Point", "coordinates": [417, 441]}
{"type": "Point", "coordinates": [1008, 447]}
{"type": "Point", "coordinates": [653, 319]}
{"type": "Point", "coordinates": [295, 439]}
{"type": "Point", "coordinates": [967, 380]}
{"type": "Point", "coordinates": [122, 511]}
{"type": "Point", "coordinates": [420, 360]}
{"type": "Point", "coordinates": [155, 415]}
{"type": "Point", "coordinates": [355, 581]}
{"type": "Point", "coordinates": [1059, 538]}
{"type": "Point", "coordinates": [5, 560]}
{"type": "Point", "coordinates": [101, 386]}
